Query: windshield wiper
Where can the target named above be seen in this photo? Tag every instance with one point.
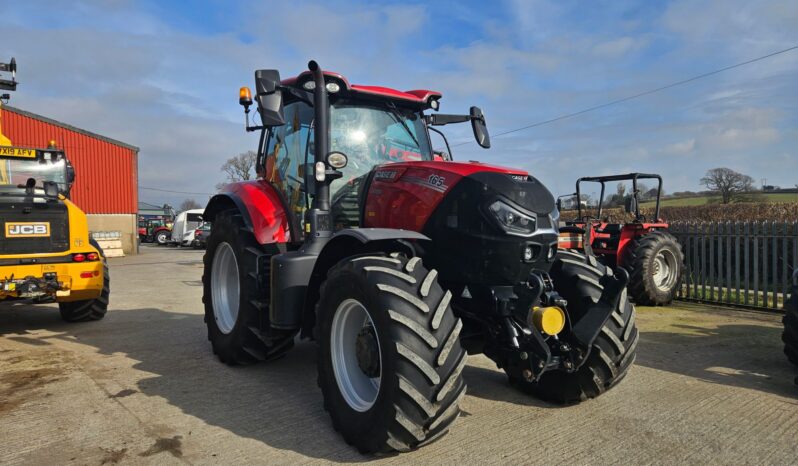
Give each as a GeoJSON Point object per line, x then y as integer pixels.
{"type": "Point", "coordinates": [398, 117]}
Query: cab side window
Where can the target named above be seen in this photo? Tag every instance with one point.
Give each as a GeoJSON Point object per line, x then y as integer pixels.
{"type": "Point", "coordinates": [286, 154]}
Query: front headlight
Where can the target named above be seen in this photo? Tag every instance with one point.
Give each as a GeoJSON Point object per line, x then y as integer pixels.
{"type": "Point", "coordinates": [511, 220]}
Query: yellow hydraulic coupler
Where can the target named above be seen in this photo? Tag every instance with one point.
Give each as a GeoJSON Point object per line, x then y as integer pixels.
{"type": "Point", "coordinates": [548, 320]}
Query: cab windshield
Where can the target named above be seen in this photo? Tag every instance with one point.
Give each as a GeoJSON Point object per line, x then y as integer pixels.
{"type": "Point", "coordinates": [14, 173]}
{"type": "Point", "coordinates": [371, 136]}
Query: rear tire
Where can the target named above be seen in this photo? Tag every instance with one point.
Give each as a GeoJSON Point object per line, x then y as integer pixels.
{"type": "Point", "coordinates": [576, 278]}
{"type": "Point", "coordinates": [90, 309]}
{"type": "Point", "coordinates": [655, 262]}
{"type": "Point", "coordinates": [413, 335]}
{"type": "Point", "coordinates": [236, 294]}
{"type": "Point", "coordinates": [790, 320]}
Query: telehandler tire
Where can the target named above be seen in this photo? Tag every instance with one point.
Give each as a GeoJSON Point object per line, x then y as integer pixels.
{"type": "Point", "coordinates": [576, 278]}
{"type": "Point", "coordinates": [790, 320]}
{"type": "Point", "coordinates": [655, 264]}
{"type": "Point", "coordinates": [390, 362]}
{"type": "Point", "coordinates": [90, 309]}
{"type": "Point", "coordinates": [235, 285]}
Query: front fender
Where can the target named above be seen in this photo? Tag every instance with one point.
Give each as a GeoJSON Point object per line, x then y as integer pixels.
{"type": "Point", "coordinates": [261, 207]}
{"type": "Point", "coordinates": [352, 242]}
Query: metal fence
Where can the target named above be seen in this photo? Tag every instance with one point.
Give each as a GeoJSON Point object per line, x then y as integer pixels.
{"type": "Point", "coordinates": [738, 263]}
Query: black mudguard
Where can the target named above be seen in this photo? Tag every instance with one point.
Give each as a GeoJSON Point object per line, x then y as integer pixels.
{"type": "Point", "coordinates": [296, 276]}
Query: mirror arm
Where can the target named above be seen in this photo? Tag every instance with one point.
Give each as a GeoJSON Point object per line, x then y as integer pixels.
{"type": "Point", "coordinates": [301, 94]}
{"type": "Point", "coordinates": [440, 119]}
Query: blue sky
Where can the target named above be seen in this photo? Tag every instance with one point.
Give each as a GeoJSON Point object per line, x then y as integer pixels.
{"type": "Point", "coordinates": [164, 76]}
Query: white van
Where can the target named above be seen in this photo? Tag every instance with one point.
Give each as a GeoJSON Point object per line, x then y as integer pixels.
{"type": "Point", "coordinates": [185, 224]}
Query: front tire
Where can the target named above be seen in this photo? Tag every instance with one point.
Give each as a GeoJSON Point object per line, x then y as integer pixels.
{"type": "Point", "coordinates": [235, 294]}
{"type": "Point", "coordinates": [390, 361]}
{"type": "Point", "coordinates": [576, 278]}
{"type": "Point", "coordinates": [655, 263]}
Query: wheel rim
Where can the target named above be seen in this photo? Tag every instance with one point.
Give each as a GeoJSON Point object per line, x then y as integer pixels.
{"type": "Point", "coordinates": [225, 288]}
{"type": "Point", "coordinates": [351, 327]}
{"type": "Point", "coordinates": [665, 270]}
{"type": "Point", "coordinates": [162, 238]}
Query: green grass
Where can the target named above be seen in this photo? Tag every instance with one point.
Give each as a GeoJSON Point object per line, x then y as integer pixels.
{"type": "Point", "coordinates": [702, 200]}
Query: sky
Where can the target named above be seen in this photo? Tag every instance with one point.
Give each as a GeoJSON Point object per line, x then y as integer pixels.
{"type": "Point", "coordinates": [164, 76]}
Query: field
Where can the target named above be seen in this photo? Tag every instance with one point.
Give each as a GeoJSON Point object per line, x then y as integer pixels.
{"type": "Point", "coordinates": [743, 212]}
{"type": "Point", "coordinates": [704, 200]}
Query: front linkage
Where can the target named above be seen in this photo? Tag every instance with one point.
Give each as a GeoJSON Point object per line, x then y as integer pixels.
{"type": "Point", "coordinates": [525, 349]}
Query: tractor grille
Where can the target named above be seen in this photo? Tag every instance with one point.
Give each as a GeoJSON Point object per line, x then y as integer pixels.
{"type": "Point", "coordinates": [54, 213]}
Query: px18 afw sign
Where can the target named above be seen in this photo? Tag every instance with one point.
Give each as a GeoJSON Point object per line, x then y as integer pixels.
{"type": "Point", "coordinates": [27, 229]}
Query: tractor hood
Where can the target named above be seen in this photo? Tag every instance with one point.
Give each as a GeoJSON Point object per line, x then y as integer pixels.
{"type": "Point", "coordinates": [500, 223]}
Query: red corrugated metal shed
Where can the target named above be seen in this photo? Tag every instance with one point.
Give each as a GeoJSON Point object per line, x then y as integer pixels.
{"type": "Point", "coordinates": [106, 180]}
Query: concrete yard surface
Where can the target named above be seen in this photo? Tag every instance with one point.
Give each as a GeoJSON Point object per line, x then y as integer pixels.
{"type": "Point", "coordinates": [710, 386]}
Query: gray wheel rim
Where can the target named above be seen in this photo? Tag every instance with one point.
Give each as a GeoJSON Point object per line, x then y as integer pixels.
{"type": "Point", "coordinates": [225, 288]}
{"type": "Point", "coordinates": [666, 269]}
{"type": "Point", "coordinates": [161, 238]}
{"type": "Point", "coordinates": [358, 389]}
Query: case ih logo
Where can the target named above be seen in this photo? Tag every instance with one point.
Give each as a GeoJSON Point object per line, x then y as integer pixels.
{"type": "Point", "coordinates": [27, 229]}
{"type": "Point", "coordinates": [386, 175]}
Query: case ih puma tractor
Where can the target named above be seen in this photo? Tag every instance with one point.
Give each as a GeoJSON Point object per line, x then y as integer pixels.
{"type": "Point", "coordinates": [644, 247]}
{"type": "Point", "coordinates": [398, 263]}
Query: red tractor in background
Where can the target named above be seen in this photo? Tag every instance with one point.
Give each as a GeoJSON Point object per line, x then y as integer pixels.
{"type": "Point", "coordinates": [644, 247]}
{"type": "Point", "coordinates": [157, 230]}
{"type": "Point", "coordinates": [398, 263]}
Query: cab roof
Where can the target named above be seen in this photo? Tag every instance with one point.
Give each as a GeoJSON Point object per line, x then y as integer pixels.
{"type": "Point", "coordinates": [422, 97]}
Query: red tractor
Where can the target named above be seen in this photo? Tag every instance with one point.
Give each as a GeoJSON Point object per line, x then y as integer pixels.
{"type": "Point", "coordinates": [155, 230]}
{"type": "Point", "coordinates": [398, 264]}
{"type": "Point", "coordinates": [644, 247]}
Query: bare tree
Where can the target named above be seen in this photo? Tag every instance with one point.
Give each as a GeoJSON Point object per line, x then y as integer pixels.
{"type": "Point", "coordinates": [239, 168]}
{"type": "Point", "coordinates": [728, 183]}
{"type": "Point", "coordinates": [619, 196]}
{"type": "Point", "coordinates": [189, 204]}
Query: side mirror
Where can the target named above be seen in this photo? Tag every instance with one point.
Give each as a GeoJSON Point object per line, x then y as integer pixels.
{"type": "Point", "coordinates": [630, 205]}
{"type": "Point", "coordinates": [70, 174]}
{"type": "Point", "coordinates": [269, 98]}
{"type": "Point", "coordinates": [559, 204]}
{"type": "Point", "coordinates": [480, 128]}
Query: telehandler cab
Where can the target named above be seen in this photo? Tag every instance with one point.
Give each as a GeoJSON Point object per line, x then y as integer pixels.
{"type": "Point", "coordinates": [398, 263]}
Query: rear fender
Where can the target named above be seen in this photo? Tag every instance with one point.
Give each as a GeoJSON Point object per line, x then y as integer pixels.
{"type": "Point", "coordinates": [354, 242]}
{"type": "Point", "coordinates": [261, 207]}
{"type": "Point", "coordinates": [628, 235]}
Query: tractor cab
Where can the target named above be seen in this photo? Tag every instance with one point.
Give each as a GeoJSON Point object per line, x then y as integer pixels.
{"type": "Point", "coordinates": [368, 126]}
{"type": "Point", "coordinates": [41, 173]}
